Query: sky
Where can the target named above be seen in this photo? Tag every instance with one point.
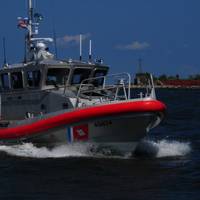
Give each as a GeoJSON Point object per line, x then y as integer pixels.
{"type": "Point", "coordinates": [165, 34]}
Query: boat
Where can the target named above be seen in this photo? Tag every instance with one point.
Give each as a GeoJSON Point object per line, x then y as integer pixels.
{"type": "Point", "coordinates": [49, 101]}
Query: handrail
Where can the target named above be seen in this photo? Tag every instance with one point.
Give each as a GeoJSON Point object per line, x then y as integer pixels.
{"type": "Point", "coordinates": [122, 78]}
{"type": "Point", "coordinates": [120, 89]}
{"type": "Point", "coordinates": [153, 93]}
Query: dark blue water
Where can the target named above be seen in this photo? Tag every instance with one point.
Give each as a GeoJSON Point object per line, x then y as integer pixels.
{"type": "Point", "coordinates": [168, 169]}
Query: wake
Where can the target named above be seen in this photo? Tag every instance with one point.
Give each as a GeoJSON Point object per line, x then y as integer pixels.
{"type": "Point", "coordinates": [157, 149]}
{"type": "Point", "coordinates": [31, 151]}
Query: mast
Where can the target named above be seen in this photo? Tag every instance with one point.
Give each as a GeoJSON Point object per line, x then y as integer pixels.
{"type": "Point", "coordinates": [29, 27]}
{"type": "Point", "coordinates": [35, 48]}
{"type": "Point", "coordinates": [30, 17]}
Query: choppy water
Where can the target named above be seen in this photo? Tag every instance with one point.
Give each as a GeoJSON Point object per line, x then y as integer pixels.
{"type": "Point", "coordinates": [165, 166]}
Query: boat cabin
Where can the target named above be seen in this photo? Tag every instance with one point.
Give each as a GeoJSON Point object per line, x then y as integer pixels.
{"type": "Point", "coordinates": [47, 75]}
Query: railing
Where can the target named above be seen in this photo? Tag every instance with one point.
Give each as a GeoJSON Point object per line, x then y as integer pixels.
{"type": "Point", "coordinates": [150, 88]}
{"type": "Point", "coordinates": [118, 84]}
{"type": "Point", "coordinates": [112, 87]}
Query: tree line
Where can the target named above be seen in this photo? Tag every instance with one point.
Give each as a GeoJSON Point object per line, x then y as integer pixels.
{"type": "Point", "coordinates": [164, 77]}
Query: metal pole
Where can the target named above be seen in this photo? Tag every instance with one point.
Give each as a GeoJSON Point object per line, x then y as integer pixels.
{"type": "Point", "coordinates": [30, 29]}
{"type": "Point", "coordinates": [25, 48]}
{"type": "Point", "coordinates": [90, 50]}
{"type": "Point", "coordinates": [80, 47]}
{"type": "Point", "coordinates": [30, 14]}
{"type": "Point", "coordinates": [4, 51]}
{"type": "Point", "coordinates": [55, 42]}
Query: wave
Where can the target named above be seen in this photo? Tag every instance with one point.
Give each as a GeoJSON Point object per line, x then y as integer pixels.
{"type": "Point", "coordinates": [157, 149]}
{"type": "Point", "coordinates": [29, 150]}
{"type": "Point", "coordinates": [163, 148]}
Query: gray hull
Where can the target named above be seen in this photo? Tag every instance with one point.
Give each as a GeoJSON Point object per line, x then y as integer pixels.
{"type": "Point", "coordinates": [111, 131]}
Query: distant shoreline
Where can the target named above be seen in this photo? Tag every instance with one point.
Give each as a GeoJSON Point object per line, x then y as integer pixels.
{"type": "Point", "coordinates": [168, 87]}
{"type": "Point", "coordinates": [178, 87]}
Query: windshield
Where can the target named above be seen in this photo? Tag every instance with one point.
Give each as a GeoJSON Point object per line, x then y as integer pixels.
{"type": "Point", "coordinates": [99, 73]}
{"type": "Point", "coordinates": [57, 76]}
{"type": "Point", "coordinates": [79, 75]}
{"type": "Point", "coordinates": [33, 78]}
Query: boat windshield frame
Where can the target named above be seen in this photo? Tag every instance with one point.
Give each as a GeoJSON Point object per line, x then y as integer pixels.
{"type": "Point", "coordinates": [77, 78]}
{"type": "Point", "coordinates": [58, 76]}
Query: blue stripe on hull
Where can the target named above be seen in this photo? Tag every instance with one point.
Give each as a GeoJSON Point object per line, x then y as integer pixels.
{"type": "Point", "coordinates": [69, 134]}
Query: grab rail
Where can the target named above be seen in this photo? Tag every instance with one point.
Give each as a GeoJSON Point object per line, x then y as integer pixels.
{"type": "Point", "coordinates": [121, 80]}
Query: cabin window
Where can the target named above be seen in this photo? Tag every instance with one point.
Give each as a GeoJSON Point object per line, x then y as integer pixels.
{"type": "Point", "coordinates": [5, 81]}
{"type": "Point", "coordinates": [57, 76]}
{"type": "Point", "coordinates": [33, 78]}
{"type": "Point", "coordinates": [79, 75]}
{"type": "Point", "coordinates": [99, 73]}
{"type": "Point", "coordinates": [16, 80]}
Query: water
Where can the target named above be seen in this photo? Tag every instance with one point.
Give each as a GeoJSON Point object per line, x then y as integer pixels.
{"type": "Point", "coordinates": [165, 166]}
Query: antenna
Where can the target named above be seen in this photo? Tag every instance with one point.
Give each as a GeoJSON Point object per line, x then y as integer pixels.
{"type": "Point", "coordinates": [80, 47]}
{"type": "Point", "coordinates": [139, 65]}
{"type": "Point", "coordinates": [4, 52]}
{"type": "Point", "coordinates": [55, 42]}
{"type": "Point", "coordinates": [34, 4]}
{"type": "Point", "coordinates": [90, 50]}
{"type": "Point", "coordinates": [25, 49]}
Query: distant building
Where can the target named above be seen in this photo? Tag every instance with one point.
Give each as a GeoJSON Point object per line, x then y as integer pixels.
{"type": "Point", "coordinates": [182, 83]}
{"type": "Point", "coordinates": [141, 78]}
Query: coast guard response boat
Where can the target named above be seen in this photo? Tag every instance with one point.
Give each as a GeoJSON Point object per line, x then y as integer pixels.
{"type": "Point", "coordinates": [48, 101]}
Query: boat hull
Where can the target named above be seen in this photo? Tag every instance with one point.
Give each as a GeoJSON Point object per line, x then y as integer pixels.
{"type": "Point", "coordinates": [117, 129]}
{"type": "Point", "coordinates": [109, 123]}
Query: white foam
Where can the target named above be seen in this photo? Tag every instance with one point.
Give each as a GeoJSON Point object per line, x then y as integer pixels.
{"type": "Point", "coordinates": [29, 150]}
{"type": "Point", "coordinates": [65, 150]}
{"type": "Point", "coordinates": [162, 148]}
{"type": "Point", "coordinates": [171, 148]}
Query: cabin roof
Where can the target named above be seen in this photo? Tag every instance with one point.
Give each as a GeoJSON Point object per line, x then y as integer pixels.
{"type": "Point", "coordinates": [54, 63]}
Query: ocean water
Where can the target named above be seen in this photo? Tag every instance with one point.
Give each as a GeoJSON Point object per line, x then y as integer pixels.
{"type": "Point", "coordinates": [165, 166]}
